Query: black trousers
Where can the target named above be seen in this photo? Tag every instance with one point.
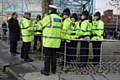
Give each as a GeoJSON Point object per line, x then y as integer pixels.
{"type": "Point", "coordinates": [25, 50]}
{"type": "Point", "coordinates": [96, 51]}
{"type": "Point", "coordinates": [50, 60]}
{"type": "Point", "coordinates": [13, 46]}
{"type": "Point", "coordinates": [84, 51]}
{"type": "Point", "coordinates": [71, 51]}
{"type": "Point", "coordinates": [36, 38]}
{"type": "Point", "coordinates": [62, 47]}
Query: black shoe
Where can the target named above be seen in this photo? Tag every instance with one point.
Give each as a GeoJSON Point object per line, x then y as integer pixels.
{"type": "Point", "coordinates": [28, 60]}
{"type": "Point", "coordinates": [45, 73]}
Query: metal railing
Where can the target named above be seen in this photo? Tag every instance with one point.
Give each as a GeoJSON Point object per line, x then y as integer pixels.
{"type": "Point", "coordinates": [104, 66]}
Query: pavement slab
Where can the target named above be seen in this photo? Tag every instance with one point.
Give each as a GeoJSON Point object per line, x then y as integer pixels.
{"type": "Point", "coordinates": [38, 76]}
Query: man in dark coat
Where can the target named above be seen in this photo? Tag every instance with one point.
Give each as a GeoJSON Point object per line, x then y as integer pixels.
{"type": "Point", "coordinates": [14, 33]}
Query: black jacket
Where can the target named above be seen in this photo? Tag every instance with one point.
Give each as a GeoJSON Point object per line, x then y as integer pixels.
{"type": "Point", "coordinates": [14, 30]}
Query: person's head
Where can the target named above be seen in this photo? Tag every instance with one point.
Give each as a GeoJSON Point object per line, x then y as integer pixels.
{"type": "Point", "coordinates": [14, 15]}
{"type": "Point", "coordinates": [74, 17]}
{"type": "Point", "coordinates": [38, 17]}
{"type": "Point", "coordinates": [85, 15]}
{"type": "Point", "coordinates": [66, 13]}
{"type": "Point", "coordinates": [27, 15]}
{"type": "Point", "coordinates": [97, 16]}
{"type": "Point", "coordinates": [52, 9]}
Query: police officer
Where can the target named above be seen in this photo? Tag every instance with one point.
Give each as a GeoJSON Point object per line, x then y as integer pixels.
{"type": "Point", "coordinates": [97, 34]}
{"type": "Point", "coordinates": [68, 33]}
{"type": "Point", "coordinates": [27, 33]}
{"type": "Point", "coordinates": [51, 39]}
{"type": "Point", "coordinates": [83, 31]}
{"type": "Point", "coordinates": [37, 33]}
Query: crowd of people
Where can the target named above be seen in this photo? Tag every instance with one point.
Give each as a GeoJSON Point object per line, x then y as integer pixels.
{"type": "Point", "coordinates": [53, 30]}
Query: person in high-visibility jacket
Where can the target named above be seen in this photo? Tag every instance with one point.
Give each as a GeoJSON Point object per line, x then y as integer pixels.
{"type": "Point", "coordinates": [37, 33]}
{"type": "Point", "coordinates": [73, 43]}
{"type": "Point", "coordinates": [97, 34]}
{"type": "Point", "coordinates": [52, 27]}
{"type": "Point", "coordinates": [83, 31]}
{"type": "Point", "coordinates": [27, 34]}
{"type": "Point", "coordinates": [68, 33]}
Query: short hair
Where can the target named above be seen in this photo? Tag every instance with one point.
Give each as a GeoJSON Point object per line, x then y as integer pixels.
{"type": "Point", "coordinates": [85, 13]}
{"type": "Point", "coordinates": [38, 16]}
{"type": "Point", "coordinates": [74, 15]}
{"type": "Point", "coordinates": [14, 13]}
{"type": "Point", "coordinates": [97, 14]}
{"type": "Point", "coordinates": [27, 13]}
{"type": "Point", "coordinates": [66, 12]}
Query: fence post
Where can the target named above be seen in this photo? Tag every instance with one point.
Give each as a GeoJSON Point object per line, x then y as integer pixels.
{"type": "Point", "coordinates": [65, 54]}
{"type": "Point", "coordinates": [42, 51]}
{"type": "Point", "coordinates": [100, 64]}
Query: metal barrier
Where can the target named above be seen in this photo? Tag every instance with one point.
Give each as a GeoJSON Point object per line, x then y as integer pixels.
{"type": "Point", "coordinates": [73, 67]}
{"type": "Point", "coordinates": [100, 68]}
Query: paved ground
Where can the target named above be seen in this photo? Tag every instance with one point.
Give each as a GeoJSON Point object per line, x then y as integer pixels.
{"type": "Point", "coordinates": [6, 76]}
{"type": "Point", "coordinates": [4, 60]}
{"type": "Point", "coordinates": [31, 71]}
